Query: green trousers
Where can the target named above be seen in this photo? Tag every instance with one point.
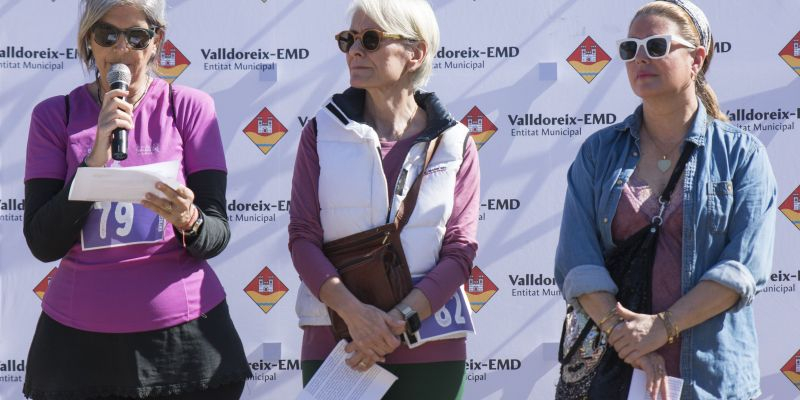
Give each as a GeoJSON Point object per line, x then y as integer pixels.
{"type": "Point", "coordinates": [429, 381]}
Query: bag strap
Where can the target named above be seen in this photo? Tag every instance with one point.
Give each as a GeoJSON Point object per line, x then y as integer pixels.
{"type": "Point", "coordinates": [66, 112]}
{"type": "Point", "coordinates": [663, 200]}
{"type": "Point", "coordinates": [678, 171]}
{"type": "Point", "coordinates": [172, 103]}
{"type": "Point", "coordinates": [410, 201]}
{"type": "Point", "coordinates": [581, 337]}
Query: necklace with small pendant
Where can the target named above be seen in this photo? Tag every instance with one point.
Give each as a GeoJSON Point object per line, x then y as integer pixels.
{"type": "Point", "coordinates": [664, 163]}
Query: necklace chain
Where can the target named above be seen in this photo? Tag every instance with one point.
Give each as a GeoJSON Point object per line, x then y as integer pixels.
{"type": "Point", "coordinates": [664, 153]}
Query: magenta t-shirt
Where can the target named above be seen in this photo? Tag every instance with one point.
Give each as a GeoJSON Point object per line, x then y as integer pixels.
{"type": "Point", "coordinates": [128, 272]}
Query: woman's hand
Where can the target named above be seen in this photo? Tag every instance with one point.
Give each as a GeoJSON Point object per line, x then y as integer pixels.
{"type": "Point", "coordinates": [174, 205]}
{"type": "Point", "coordinates": [373, 333]}
{"type": "Point", "coordinates": [115, 113]}
{"type": "Point", "coordinates": [636, 335]}
{"type": "Point", "coordinates": [654, 367]}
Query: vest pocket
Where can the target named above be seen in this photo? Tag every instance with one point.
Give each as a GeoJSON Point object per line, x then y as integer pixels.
{"type": "Point", "coordinates": [720, 203]}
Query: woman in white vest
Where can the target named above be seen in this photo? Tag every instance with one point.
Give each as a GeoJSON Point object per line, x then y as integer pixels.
{"type": "Point", "coordinates": [364, 141]}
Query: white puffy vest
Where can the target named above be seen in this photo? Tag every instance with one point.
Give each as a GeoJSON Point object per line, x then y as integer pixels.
{"type": "Point", "coordinates": [352, 194]}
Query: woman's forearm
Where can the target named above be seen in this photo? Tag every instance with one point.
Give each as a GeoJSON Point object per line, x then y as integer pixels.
{"type": "Point", "coordinates": [702, 303]}
{"type": "Point", "coordinates": [597, 304]}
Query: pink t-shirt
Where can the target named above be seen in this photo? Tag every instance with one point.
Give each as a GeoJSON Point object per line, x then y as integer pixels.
{"type": "Point", "coordinates": [128, 272]}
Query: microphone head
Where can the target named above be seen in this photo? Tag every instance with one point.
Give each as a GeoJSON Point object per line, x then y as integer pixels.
{"type": "Point", "coordinates": [119, 73]}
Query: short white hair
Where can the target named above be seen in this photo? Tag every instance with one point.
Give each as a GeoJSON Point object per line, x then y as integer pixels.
{"type": "Point", "coordinates": [414, 19]}
{"type": "Point", "coordinates": [93, 10]}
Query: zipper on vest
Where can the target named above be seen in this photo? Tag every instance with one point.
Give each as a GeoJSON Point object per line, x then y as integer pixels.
{"type": "Point", "coordinates": [380, 159]}
{"type": "Point", "coordinates": [401, 182]}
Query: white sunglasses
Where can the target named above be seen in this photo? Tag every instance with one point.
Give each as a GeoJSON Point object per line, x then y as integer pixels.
{"type": "Point", "coordinates": [656, 46]}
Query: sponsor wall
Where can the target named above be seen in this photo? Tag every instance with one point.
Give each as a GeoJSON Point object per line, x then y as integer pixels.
{"type": "Point", "coordinates": [530, 79]}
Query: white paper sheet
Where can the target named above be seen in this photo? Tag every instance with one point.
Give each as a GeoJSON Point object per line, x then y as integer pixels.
{"type": "Point", "coordinates": [639, 389]}
{"type": "Point", "coordinates": [336, 381]}
{"type": "Point", "coordinates": [122, 184]}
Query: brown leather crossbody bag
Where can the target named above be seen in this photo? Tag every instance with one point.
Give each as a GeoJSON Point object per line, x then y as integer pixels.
{"type": "Point", "coordinates": [371, 263]}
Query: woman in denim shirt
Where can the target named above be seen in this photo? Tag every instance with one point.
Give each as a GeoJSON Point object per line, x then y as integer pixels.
{"type": "Point", "coordinates": [714, 252]}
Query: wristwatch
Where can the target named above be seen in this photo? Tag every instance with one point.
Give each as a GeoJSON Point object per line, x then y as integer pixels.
{"type": "Point", "coordinates": [412, 322]}
{"type": "Point", "coordinates": [195, 228]}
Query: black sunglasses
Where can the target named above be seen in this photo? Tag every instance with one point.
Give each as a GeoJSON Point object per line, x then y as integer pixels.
{"type": "Point", "coordinates": [370, 39]}
{"type": "Point", "coordinates": [107, 35]}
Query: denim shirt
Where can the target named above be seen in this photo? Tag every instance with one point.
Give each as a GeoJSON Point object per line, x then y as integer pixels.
{"type": "Point", "coordinates": [729, 209]}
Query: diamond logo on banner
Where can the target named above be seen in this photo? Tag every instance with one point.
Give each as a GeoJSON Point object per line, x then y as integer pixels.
{"type": "Point", "coordinates": [41, 288]}
{"type": "Point", "coordinates": [265, 130]}
{"type": "Point", "coordinates": [480, 289]}
{"type": "Point", "coordinates": [171, 62]}
{"type": "Point", "coordinates": [588, 59]}
{"type": "Point", "coordinates": [791, 207]}
{"type": "Point", "coordinates": [791, 53]}
{"type": "Point", "coordinates": [480, 127]}
{"type": "Point", "coordinates": [792, 369]}
{"type": "Point", "coordinates": [266, 289]}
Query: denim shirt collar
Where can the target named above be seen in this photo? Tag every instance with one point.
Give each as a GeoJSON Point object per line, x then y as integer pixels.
{"type": "Point", "coordinates": [697, 133]}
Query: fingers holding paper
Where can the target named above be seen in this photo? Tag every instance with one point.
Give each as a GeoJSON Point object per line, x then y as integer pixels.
{"type": "Point", "coordinates": [362, 359]}
{"type": "Point", "coordinates": [655, 368]}
{"type": "Point", "coordinates": [174, 205]}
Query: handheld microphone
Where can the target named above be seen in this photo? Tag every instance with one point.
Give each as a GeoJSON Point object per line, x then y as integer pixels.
{"type": "Point", "coordinates": [119, 77]}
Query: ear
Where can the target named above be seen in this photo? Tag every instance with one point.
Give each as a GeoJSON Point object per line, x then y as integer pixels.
{"type": "Point", "coordinates": [698, 59]}
{"type": "Point", "coordinates": [418, 53]}
{"type": "Point", "coordinates": [159, 37]}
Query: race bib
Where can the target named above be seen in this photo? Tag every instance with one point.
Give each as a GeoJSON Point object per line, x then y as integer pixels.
{"type": "Point", "coordinates": [451, 321]}
{"type": "Point", "coordinates": [113, 224]}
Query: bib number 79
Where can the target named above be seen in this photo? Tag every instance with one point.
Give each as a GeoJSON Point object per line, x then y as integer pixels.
{"type": "Point", "coordinates": [444, 317]}
{"type": "Point", "coordinates": [113, 224]}
{"type": "Point", "coordinates": [123, 214]}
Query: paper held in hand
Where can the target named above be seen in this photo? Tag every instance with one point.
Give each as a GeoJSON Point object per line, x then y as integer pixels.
{"type": "Point", "coordinates": [639, 389]}
{"type": "Point", "coordinates": [122, 184]}
{"type": "Point", "coordinates": [335, 380]}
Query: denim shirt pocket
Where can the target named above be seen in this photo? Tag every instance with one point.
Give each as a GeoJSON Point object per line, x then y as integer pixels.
{"type": "Point", "coordinates": [720, 203]}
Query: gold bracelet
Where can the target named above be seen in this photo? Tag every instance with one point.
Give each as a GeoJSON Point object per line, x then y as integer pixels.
{"type": "Point", "coordinates": [675, 330]}
{"type": "Point", "coordinates": [669, 326]}
{"type": "Point", "coordinates": [609, 330]}
{"type": "Point", "coordinates": [608, 316]}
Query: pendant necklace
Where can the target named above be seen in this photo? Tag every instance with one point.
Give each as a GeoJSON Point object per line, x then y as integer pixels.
{"type": "Point", "coordinates": [664, 163]}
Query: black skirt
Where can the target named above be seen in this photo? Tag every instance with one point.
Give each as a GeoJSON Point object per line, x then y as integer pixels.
{"type": "Point", "coordinates": [66, 363]}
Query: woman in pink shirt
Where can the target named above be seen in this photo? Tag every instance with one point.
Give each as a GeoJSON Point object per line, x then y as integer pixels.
{"type": "Point", "coordinates": [356, 161]}
{"type": "Point", "coordinates": [134, 310]}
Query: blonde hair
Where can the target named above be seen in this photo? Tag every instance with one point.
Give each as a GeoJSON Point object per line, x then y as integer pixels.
{"type": "Point", "coordinates": [93, 10]}
{"type": "Point", "coordinates": [689, 32]}
{"type": "Point", "coordinates": [413, 19]}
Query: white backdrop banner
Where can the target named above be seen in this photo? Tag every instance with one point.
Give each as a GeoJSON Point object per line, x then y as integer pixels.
{"type": "Point", "coordinates": [532, 80]}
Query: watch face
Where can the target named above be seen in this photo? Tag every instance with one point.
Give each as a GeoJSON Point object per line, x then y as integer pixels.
{"type": "Point", "coordinates": [195, 228]}
{"type": "Point", "coordinates": [413, 323]}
